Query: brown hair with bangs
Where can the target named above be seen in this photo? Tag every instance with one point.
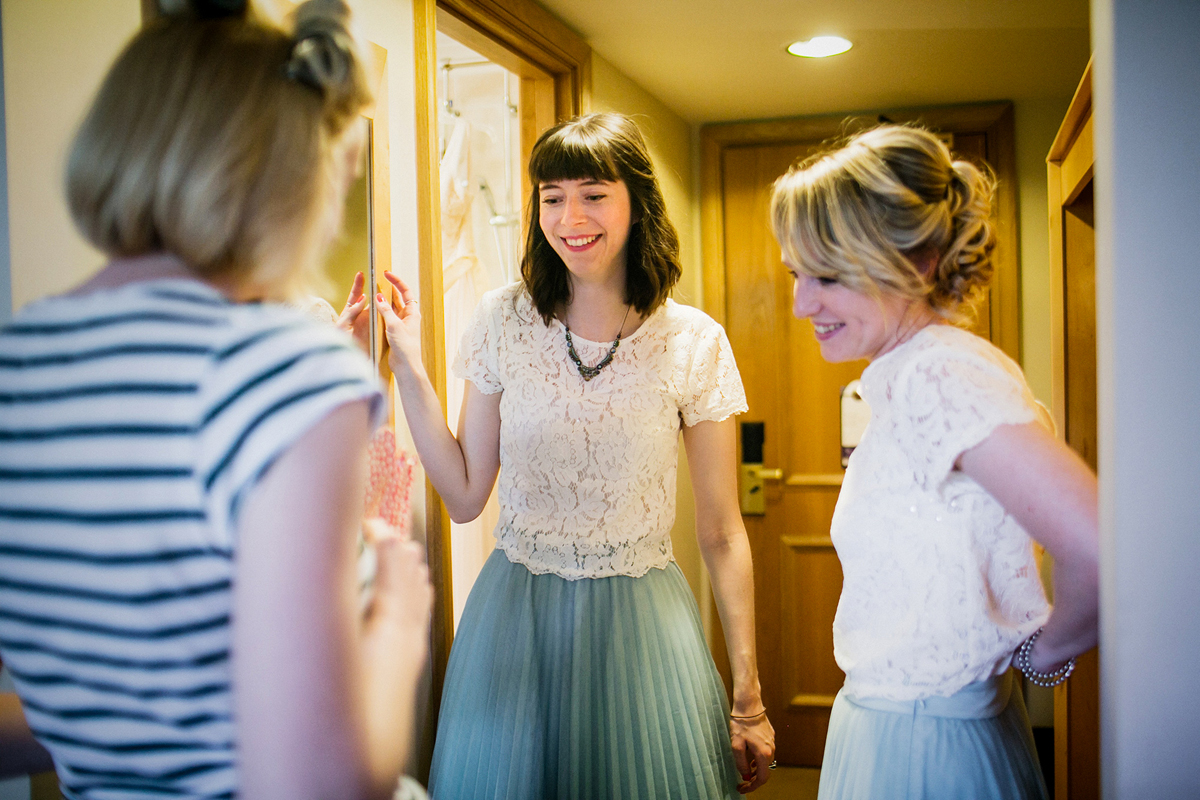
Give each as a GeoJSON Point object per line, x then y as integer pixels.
{"type": "Point", "coordinates": [604, 147]}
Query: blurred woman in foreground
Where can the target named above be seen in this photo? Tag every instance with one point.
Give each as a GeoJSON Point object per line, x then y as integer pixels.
{"type": "Point", "coordinates": [182, 473]}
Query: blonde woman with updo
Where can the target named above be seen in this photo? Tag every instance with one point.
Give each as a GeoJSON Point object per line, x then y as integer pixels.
{"type": "Point", "coordinates": [957, 475]}
{"type": "Point", "coordinates": [182, 460]}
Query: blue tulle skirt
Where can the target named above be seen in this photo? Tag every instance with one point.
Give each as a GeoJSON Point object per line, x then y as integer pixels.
{"type": "Point", "coordinates": [596, 688]}
{"type": "Point", "coordinates": [976, 744]}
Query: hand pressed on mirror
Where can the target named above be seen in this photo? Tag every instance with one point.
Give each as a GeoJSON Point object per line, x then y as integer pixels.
{"type": "Point", "coordinates": [353, 320]}
{"type": "Point", "coordinates": [401, 313]}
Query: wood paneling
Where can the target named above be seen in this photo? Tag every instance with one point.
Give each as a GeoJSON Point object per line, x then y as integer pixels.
{"type": "Point", "coordinates": [1079, 319]}
{"type": "Point", "coordinates": [796, 394]}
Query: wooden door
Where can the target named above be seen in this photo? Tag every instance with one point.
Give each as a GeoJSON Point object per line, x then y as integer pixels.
{"type": "Point", "coordinates": [795, 394]}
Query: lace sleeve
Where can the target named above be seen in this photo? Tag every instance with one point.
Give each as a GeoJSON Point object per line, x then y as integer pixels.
{"type": "Point", "coordinates": [478, 359]}
{"type": "Point", "coordinates": [712, 389]}
{"type": "Point", "coordinates": [953, 400]}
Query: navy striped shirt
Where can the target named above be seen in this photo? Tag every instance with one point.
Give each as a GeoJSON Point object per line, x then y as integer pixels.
{"type": "Point", "coordinates": [132, 424]}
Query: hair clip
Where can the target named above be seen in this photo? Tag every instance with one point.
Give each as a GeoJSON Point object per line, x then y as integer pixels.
{"type": "Point", "coordinates": [320, 59]}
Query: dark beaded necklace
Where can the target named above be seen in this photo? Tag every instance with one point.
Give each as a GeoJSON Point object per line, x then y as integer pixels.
{"type": "Point", "coordinates": [586, 372]}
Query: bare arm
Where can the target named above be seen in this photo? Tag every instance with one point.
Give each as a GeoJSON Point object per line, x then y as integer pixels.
{"type": "Point", "coordinates": [1047, 488]}
{"type": "Point", "coordinates": [325, 699]}
{"type": "Point", "coordinates": [462, 468]}
{"type": "Point", "coordinates": [711, 453]}
{"type": "Point", "coordinates": [20, 753]}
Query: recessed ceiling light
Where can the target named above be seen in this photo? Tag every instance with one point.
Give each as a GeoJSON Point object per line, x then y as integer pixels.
{"type": "Point", "coordinates": [820, 47]}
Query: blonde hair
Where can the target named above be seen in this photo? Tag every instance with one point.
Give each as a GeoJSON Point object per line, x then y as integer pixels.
{"type": "Point", "coordinates": [870, 213]}
{"type": "Point", "coordinates": [217, 137]}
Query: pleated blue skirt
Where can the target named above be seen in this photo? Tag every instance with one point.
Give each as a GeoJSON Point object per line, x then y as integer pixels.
{"type": "Point", "coordinates": [597, 688]}
{"type": "Point", "coordinates": [974, 745]}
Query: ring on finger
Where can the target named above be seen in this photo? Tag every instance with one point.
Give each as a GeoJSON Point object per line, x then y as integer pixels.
{"type": "Point", "coordinates": [773, 764]}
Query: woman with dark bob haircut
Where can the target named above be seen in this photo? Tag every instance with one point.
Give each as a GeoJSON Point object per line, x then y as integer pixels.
{"type": "Point", "coordinates": [580, 669]}
{"type": "Point", "coordinates": [183, 462]}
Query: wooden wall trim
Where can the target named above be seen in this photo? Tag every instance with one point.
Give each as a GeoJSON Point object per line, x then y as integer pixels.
{"type": "Point", "coordinates": [712, 223]}
{"type": "Point", "coordinates": [1077, 119]}
{"type": "Point", "coordinates": [433, 353]}
{"type": "Point", "coordinates": [994, 118]}
{"type": "Point", "coordinates": [528, 31]}
{"type": "Point", "coordinates": [1058, 358]}
{"type": "Point", "coordinates": [1077, 113]}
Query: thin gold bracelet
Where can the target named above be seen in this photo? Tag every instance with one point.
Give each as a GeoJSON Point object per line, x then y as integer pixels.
{"type": "Point", "coordinates": [752, 716]}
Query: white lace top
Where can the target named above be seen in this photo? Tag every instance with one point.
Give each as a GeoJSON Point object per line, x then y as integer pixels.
{"type": "Point", "coordinates": [940, 583]}
{"type": "Point", "coordinates": [587, 468]}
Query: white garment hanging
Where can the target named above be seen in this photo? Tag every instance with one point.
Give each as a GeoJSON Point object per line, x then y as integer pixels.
{"type": "Point", "coordinates": [463, 283]}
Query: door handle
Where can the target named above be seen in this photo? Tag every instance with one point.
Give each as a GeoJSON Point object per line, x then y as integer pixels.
{"type": "Point", "coordinates": [752, 496]}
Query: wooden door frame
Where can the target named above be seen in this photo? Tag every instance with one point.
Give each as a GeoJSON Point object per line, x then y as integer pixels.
{"type": "Point", "coordinates": [531, 34]}
{"type": "Point", "coordinates": [996, 119]}
{"type": "Point", "coordinates": [1070, 168]}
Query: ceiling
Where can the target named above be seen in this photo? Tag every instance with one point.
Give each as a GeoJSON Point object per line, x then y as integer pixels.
{"type": "Point", "coordinates": [720, 60]}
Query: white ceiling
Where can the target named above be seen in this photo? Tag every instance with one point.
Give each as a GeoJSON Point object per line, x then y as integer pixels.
{"type": "Point", "coordinates": [718, 60]}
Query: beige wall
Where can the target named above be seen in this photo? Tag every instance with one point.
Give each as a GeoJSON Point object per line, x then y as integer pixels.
{"type": "Point", "coordinates": [669, 139]}
{"type": "Point", "coordinates": [55, 53]}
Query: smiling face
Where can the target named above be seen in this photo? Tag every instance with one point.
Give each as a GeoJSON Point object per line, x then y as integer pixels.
{"type": "Point", "coordinates": [849, 325]}
{"type": "Point", "coordinates": [587, 223]}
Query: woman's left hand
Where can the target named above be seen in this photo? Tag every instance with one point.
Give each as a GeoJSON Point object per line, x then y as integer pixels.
{"type": "Point", "coordinates": [753, 750]}
{"type": "Point", "coordinates": [352, 320]}
{"type": "Point", "coordinates": [402, 324]}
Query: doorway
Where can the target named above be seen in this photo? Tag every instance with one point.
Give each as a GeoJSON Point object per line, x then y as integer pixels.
{"type": "Point", "coordinates": [541, 66]}
{"type": "Point", "coordinates": [480, 194]}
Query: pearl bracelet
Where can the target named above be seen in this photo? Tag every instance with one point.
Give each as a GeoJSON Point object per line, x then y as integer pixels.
{"type": "Point", "coordinates": [1045, 679]}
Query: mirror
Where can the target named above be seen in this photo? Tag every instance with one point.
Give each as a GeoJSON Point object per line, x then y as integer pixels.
{"type": "Point", "coordinates": [353, 251]}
